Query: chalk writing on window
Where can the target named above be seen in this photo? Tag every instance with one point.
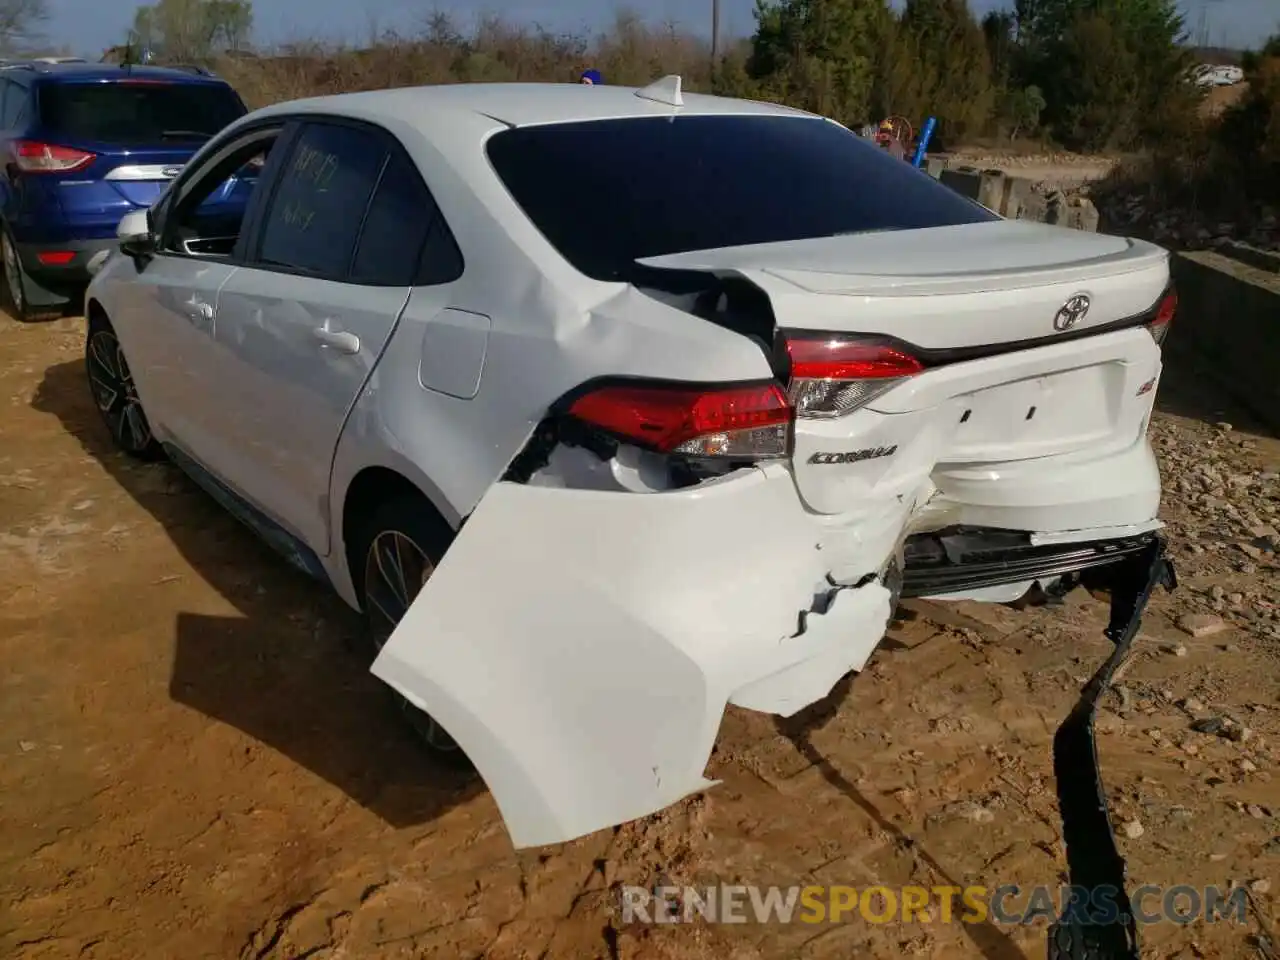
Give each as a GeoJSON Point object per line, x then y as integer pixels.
{"type": "Point", "coordinates": [315, 167]}
{"type": "Point", "coordinates": [297, 215]}
{"type": "Point", "coordinates": [316, 213]}
{"type": "Point", "coordinates": [311, 173]}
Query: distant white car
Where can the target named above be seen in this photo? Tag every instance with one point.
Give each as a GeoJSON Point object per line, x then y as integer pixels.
{"type": "Point", "coordinates": [608, 407]}
{"type": "Point", "coordinates": [1219, 75]}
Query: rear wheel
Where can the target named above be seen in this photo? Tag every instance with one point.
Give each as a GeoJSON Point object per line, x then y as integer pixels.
{"type": "Point", "coordinates": [14, 276]}
{"type": "Point", "coordinates": [21, 287]}
{"type": "Point", "coordinates": [401, 545]}
{"type": "Point", "coordinates": [114, 393]}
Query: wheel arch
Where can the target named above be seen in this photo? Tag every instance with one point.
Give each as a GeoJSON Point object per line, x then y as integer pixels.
{"type": "Point", "coordinates": [94, 310]}
{"type": "Point", "coordinates": [368, 489]}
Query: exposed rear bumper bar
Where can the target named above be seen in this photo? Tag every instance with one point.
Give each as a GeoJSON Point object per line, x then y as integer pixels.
{"type": "Point", "coordinates": [973, 558]}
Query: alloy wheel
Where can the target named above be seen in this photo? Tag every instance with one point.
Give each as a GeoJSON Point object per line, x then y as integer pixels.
{"type": "Point", "coordinates": [115, 394]}
{"type": "Point", "coordinates": [395, 571]}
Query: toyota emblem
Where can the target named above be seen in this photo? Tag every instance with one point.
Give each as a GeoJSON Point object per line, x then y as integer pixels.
{"type": "Point", "coordinates": [170, 172]}
{"type": "Point", "coordinates": [1071, 312]}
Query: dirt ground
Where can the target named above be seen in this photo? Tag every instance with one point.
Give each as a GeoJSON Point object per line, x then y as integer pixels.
{"type": "Point", "coordinates": [195, 763]}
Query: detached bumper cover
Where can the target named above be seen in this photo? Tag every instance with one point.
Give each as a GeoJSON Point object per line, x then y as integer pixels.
{"type": "Point", "coordinates": [581, 646]}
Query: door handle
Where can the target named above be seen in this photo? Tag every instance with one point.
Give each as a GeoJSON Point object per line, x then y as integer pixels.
{"type": "Point", "coordinates": [198, 310]}
{"type": "Point", "coordinates": [338, 340]}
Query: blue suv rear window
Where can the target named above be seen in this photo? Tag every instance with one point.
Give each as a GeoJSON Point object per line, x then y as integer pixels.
{"type": "Point", "coordinates": [137, 111]}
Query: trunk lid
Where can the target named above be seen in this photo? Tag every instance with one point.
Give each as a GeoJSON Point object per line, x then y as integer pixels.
{"type": "Point", "coordinates": [972, 285]}
{"type": "Point", "coordinates": [976, 304]}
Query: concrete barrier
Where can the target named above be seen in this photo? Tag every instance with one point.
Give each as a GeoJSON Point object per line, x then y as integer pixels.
{"type": "Point", "coordinates": [1268, 260]}
{"type": "Point", "coordinates": [1229, 321]}
{"type": "Point", "coordinates": [965, 181]}
{"type": "Point", "coordinates": [1012, 197]}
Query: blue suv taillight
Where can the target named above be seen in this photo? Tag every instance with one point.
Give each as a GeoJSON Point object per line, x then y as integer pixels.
{"type": "Point", "coordinates": [32, 156]}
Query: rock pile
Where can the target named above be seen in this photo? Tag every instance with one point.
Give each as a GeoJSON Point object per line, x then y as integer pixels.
{"type": "Point", "coordinates": [1137, 215]}
{"type": "Point", "coordinates": [1224, 513]}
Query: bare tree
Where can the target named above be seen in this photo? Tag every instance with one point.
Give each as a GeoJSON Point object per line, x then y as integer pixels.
{"type": "Point", "coordinates": [19, 20]}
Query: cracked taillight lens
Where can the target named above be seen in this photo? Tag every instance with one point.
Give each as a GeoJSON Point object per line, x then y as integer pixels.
{"type": "Point", "coordinates": [831, 375]}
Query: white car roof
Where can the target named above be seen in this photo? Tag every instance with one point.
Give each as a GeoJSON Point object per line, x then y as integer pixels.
{"type": "Point", "coordinates": [516, 104]}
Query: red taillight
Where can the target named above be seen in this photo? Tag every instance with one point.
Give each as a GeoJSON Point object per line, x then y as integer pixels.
{"type": "Point", "coordinates": [752, 421]}
{"type": "Point", "coordinates": [833, 375]}
{"type": "Point", "coordinates": [1159, 327]}
{"type": "Point", "coordinates": [56, 258]}
{"type": "Point", "coordinates": [31, 156]}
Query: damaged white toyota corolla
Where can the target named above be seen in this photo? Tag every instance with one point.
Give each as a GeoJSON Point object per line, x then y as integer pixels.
{"type": "Point", "coordinates": [609, 407]}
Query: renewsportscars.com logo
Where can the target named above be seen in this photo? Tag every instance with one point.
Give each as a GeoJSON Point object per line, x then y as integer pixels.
{"type": "Point", "coordinates": [1008, 904]}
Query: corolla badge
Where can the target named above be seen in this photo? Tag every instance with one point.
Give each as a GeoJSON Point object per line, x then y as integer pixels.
{"type": "Point", "coordinates": [853, 456]}
{"type": "Point", "coordinates": [1071, 312]}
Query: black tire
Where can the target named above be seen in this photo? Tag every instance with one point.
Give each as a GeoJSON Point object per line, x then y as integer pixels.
{"type": "Point", "coordinates": [19, 286]}
{"type": "Point", "coordinates": [14, 279]}
{"type": "Point", "coordinates": [111, 386]}
{"type": "Point", "coordinates": [404, 533]}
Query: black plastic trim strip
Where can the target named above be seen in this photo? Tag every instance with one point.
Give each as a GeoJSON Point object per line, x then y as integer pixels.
{"type": "Point", "coordinates": [1097, 922]}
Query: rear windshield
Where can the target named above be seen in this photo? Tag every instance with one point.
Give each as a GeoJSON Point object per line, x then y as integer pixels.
{"type": "Point", "coordinates": [137, 111]}
{"type": "Point", "coordinates": [608, 192]}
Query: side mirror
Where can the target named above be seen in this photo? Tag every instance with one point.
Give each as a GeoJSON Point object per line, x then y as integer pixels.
{"type": "Point", "coordinates": [134, 234]}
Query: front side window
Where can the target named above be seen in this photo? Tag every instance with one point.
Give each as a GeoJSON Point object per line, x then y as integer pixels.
{"type": "Point", "coordinates": [608, 192]}
{"type": "Point", "coordinates": [138, 110]}
{"type": "Point", "coordinates": [319, 205]}
{"type": "Point", "coordinates": [208, 218]}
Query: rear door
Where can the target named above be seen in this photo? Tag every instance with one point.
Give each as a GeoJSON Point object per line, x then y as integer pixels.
{"type": "Point", "coordinates": [302, 324]}
{"type": "Point", "coordinates": [137, 133]}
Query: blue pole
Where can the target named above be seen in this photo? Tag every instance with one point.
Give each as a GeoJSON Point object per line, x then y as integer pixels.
{"type": "Point", "coordinates": [923, 146]}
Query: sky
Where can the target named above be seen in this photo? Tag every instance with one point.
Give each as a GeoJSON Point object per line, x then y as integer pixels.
{"type": "Point", "coordinates": [89, 26]}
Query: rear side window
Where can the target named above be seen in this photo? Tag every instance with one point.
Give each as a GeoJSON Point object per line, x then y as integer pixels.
{"type": "Point", "coordinates": [405, 241]}
{"type": "Point", "coordinates": [608, 192]}
{"type": "Point", "coordinates": [318, 207]}
{"type": "Point", "coordinates": [138, 111]}
{"type": "Point", "coordinates": [14, 105]}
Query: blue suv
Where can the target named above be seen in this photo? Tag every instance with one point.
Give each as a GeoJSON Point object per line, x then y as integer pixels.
{"type": "Point", "coordinates": [82, 145]}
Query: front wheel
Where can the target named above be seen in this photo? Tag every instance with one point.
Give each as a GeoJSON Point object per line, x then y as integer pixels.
{"type": "Point", "coordinates": [115, 395]}
{"type": "Point", "coordinates": [401, 545]}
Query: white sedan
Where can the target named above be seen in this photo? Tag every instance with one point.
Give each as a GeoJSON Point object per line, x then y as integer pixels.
{"type": "Point", "coordinates": [610, 407]}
